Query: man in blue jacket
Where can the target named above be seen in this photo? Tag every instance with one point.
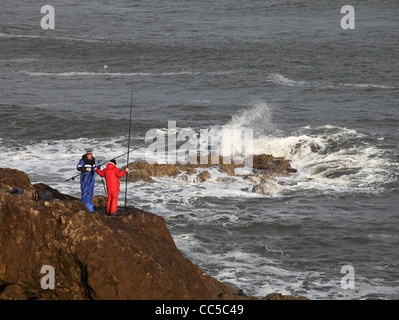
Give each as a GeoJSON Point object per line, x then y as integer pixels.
{"type": "Point", "coordinates": [87, 166]}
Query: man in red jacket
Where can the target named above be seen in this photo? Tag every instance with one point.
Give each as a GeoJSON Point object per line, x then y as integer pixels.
{"type": "Point", "coordinates": [112, 175]}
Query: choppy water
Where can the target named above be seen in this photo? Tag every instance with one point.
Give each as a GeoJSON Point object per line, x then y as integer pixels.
{"type": "Point", "coordinates": [323, 97]}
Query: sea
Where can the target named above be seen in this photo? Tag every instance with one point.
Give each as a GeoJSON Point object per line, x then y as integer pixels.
{"type": "Point", "coordinates": [324, 96]}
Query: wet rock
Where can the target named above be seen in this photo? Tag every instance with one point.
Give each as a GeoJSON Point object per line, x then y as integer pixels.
{"type": "Point", "coordinates": [203, 176]}
{"type": "Point", "coordinates": [140, 175]}
{"type": "Point", "coordinates": [260, 177]}
{"type": "Point", "coordinates": [268, 189]}
{"type": "Point", "coordinates": [277, 165]}
{"type": "Point", "coordinates": [279, 296]}
{"type": "Point", "coordinates": [142, 171]}
{"type": "Point", "coordinates": [191, 171]}
{"type": "Point", "coordinates": [15, 178]}
{"type": "Point", "coordinates": [12, 292]}
{"type": "Point", "coordinates": [208, 162]}
{"type": "Point", "coordinates": [100, 201]}
{"type": "Point", "coordinates": [265, 166]}
{"type": "Point", "coordinates": [54, 193]}
{"type": "Point", "coordinates": [94, 257]}
{"type": "Point", "coordinates": [11, 178]}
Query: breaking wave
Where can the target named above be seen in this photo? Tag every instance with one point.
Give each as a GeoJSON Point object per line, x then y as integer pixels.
{"type": "Point", "coordinates": [327, 157]}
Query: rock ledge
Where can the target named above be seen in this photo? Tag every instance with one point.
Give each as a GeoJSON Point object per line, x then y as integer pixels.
{"type": "Point", "coordinates": [132, 256]}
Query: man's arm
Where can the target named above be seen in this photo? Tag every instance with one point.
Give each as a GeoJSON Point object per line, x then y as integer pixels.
{"type": "Point", "coordinates": [81, 166]}
{"type": "Point", "coordinates": [121, 173]}
{"type": "Point", "coordinates": [99, 171]}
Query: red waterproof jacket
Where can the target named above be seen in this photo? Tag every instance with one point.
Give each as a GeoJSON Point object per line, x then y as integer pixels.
{"type": "Point", "coordinates": [112, 175]}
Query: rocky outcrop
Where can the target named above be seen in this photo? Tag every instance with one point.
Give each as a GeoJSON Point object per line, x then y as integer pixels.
{"type": "Point", "coordinates": [265, 168]}
{"type": "Point", "coordinates": [144, 171]}
{"type": "Point", "coordinates": [94, 256]}
{"type": "Point", "coordinates": [13, 179]}
{"type": "Point", "coordinates": [131, 256]}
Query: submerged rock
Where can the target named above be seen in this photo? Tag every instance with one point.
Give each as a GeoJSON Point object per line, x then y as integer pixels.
{"type": "Point", "coordinates": [276, 165]}
{"type": "Point", "coordinates": [279, 296]}
{"type": "Point", "coordinates": [203, 176]}
{"type": "Point", "coordinates": [143, 171]}
{"type": "Point", "coordinates": [265, 167]}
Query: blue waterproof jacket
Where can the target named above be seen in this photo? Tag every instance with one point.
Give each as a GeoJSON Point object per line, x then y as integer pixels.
{"type": "Point", "coordinates": [87, 180]}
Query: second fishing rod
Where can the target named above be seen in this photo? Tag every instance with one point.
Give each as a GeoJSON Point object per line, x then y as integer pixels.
{"type": "Point", "coordinates": [128, 143]}
{"type": "Point", "coordinates": [108, 161]}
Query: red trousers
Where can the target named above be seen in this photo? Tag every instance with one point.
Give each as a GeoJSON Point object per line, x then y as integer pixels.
{"type": "Point", "coordinates": [112, 175]}
{"type": "Point", "coordinates": [112, 204]}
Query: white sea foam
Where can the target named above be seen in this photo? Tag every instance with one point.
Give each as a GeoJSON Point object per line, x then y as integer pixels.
{"type": "Point", "coordinates": [85, 74]}
{"type": "Point", "coordinates": [323, 166]}
{"type": "Point", "coordinates": [107, 73]}
{"type": "Point", "coordinates": [257, 117]}
{"type": "Point", "coordinates": [5, 35]}
{"type": "Point", "coordinates": [278, 78]}
{"type": "Point", "coordinates": [366, 86]}
{"type": "Point", "coordinates": [327, 157]}
{"type": "Point", "coordinates": [283, 80]}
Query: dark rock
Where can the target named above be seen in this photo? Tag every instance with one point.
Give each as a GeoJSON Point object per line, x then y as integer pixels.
{"type": "Point", "coordinates": [54, 193]}
{"type": "Point", "coordinates": [277, 165]}
{"type": "Point", "coordinates": [94, 256]}
{"type": "Point", "coordinates": [203, 176]}
{"type": "Point", "coordinates": [15, 178]}
{"type": "Point", "coordinates": [143, 171]}
{"type": "Point", "coordinates": [11, 178]}
{"type": "Point", "coordinates": [140, 175]}
{"type": "Point", "coordinates": [131, 256]}
{"type": "Point", "coordinates": [100, 201]}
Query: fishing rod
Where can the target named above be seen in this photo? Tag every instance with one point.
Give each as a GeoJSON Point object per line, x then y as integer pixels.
{"type": "Point", "coordinates": [128, 144]}
{"type": "Point", "coordinates": [102, 179]}
{"type": "Point", "coordinates": [74, 177]}
{"type": "Point", "coordinates": [135, 148]}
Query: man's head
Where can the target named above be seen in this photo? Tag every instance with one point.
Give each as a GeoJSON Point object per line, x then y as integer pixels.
{"type": "Point", "coordinates": [89, 154]}
{"type": "Point", "coordinates": [113, 161]}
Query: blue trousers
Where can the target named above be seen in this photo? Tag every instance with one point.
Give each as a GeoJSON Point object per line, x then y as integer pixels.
{"type": "Point", "coordinates": [87, 188]}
